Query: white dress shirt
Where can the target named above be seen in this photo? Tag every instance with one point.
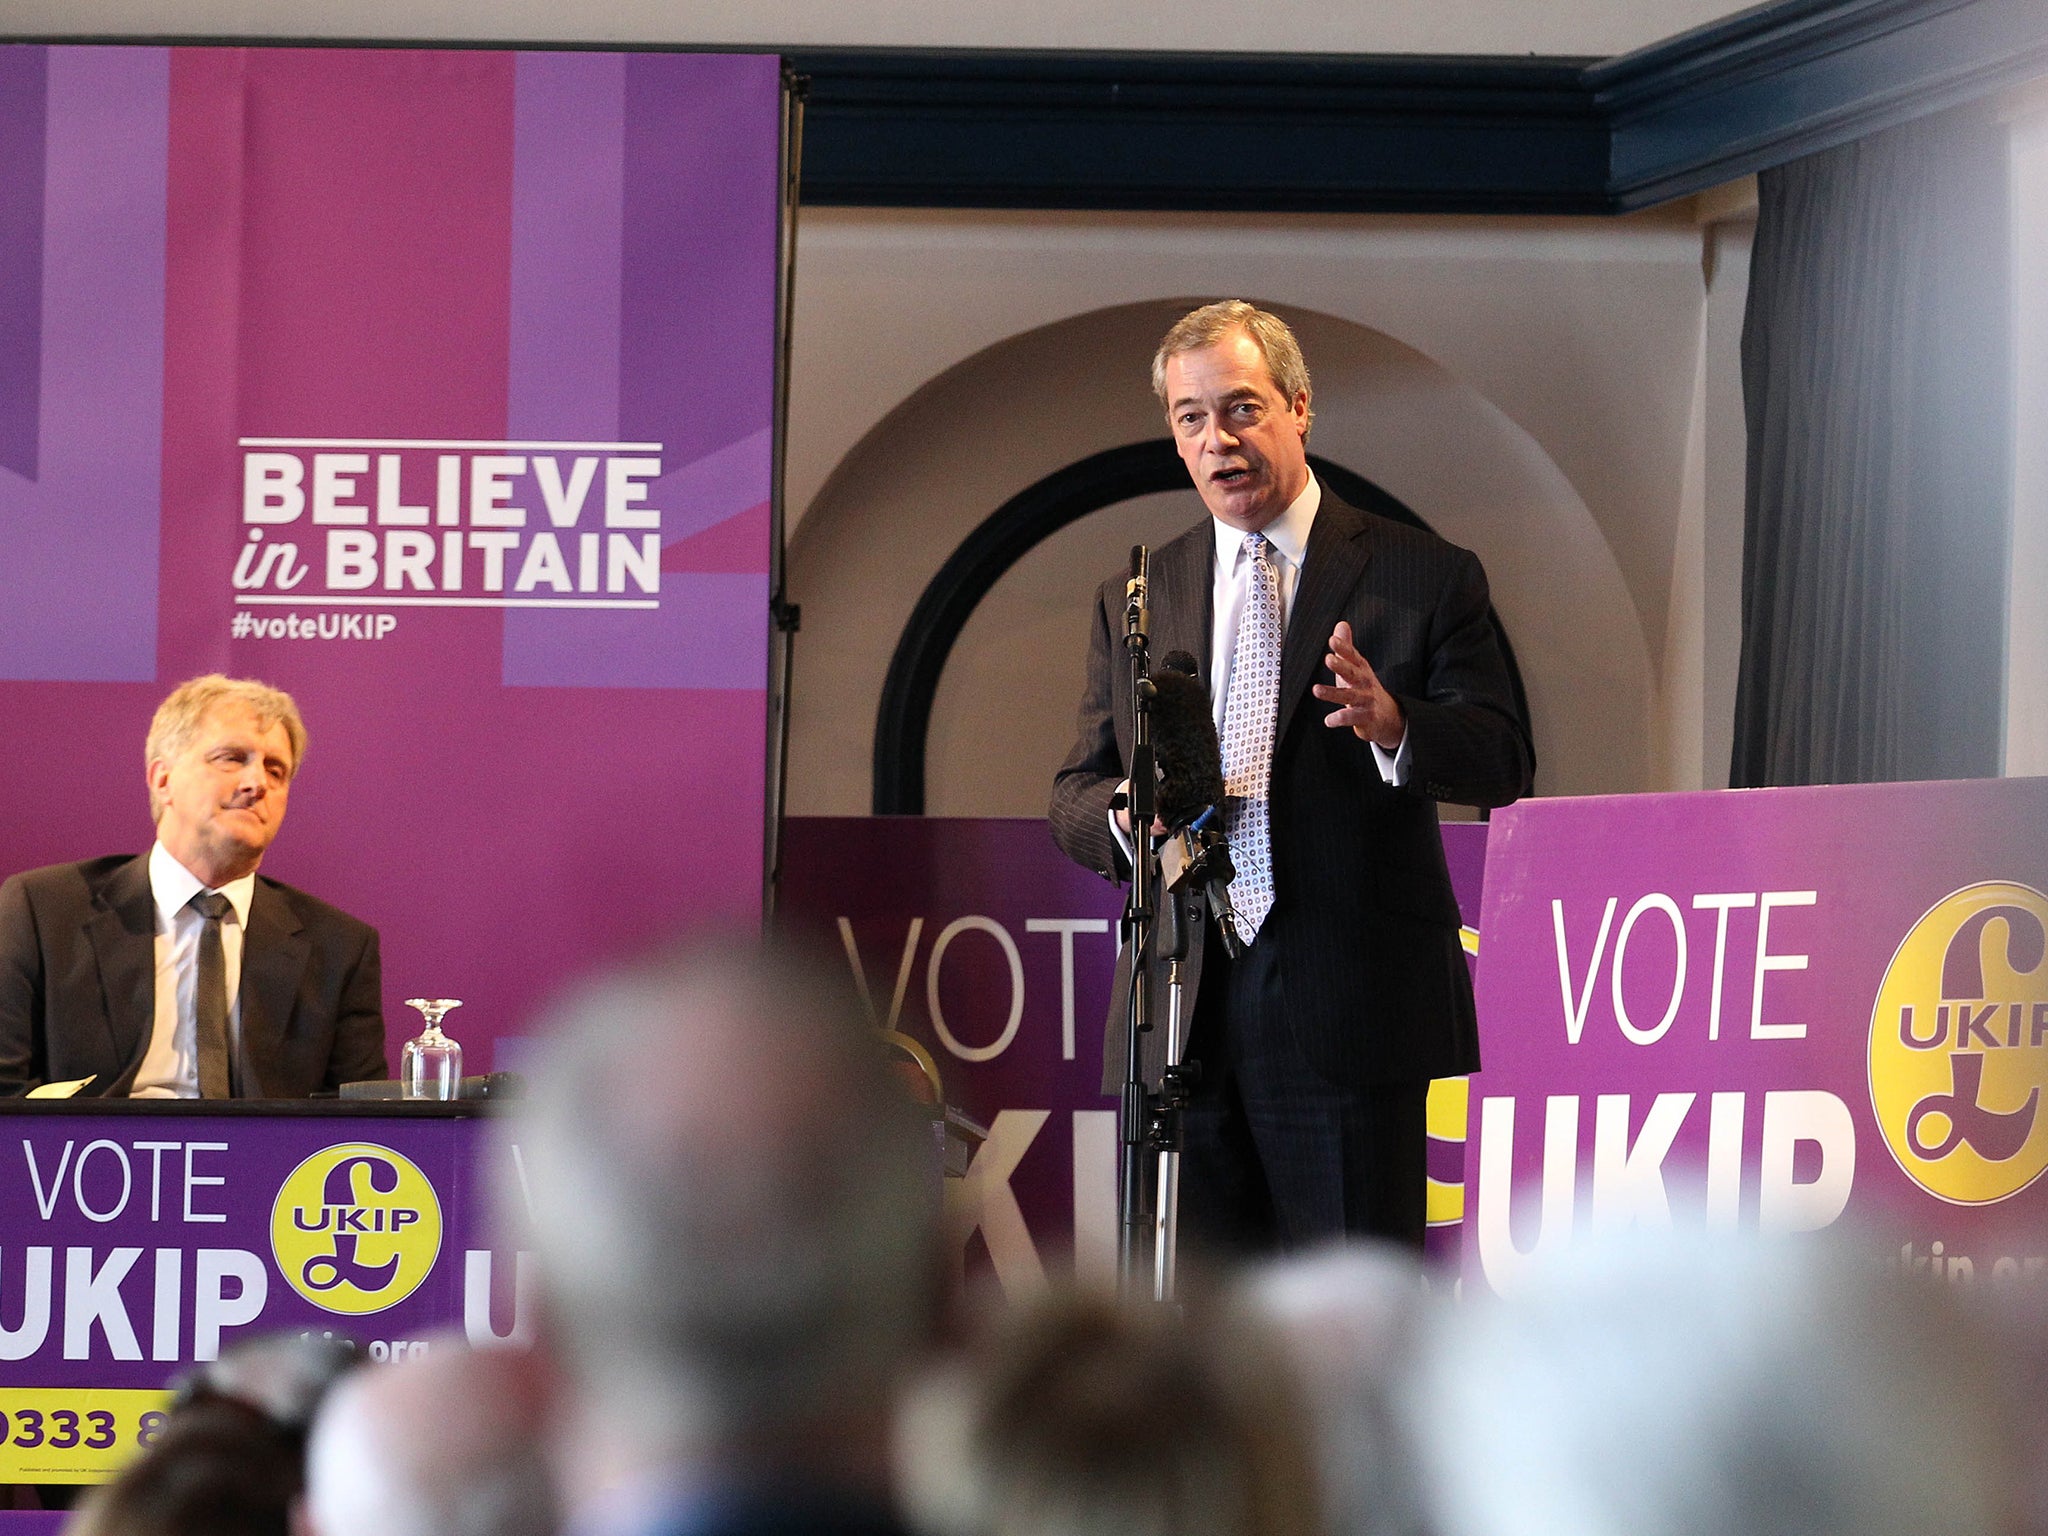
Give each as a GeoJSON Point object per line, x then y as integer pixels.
{"type": "Point", "coordinates": [170, 1067]}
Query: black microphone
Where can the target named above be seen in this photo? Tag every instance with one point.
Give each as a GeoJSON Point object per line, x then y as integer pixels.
{"type": "Point", "coordinates": [1191, 791]}
{"type": "Point", "coordinates": [1214, 868]}
{"type": "Point", "coordinates": [1184, 742]}
{"type": "Point", "coordinates": [1137, 595]}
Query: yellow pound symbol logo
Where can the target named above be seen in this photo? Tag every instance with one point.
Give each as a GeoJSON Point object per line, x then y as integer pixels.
{"type": "Point", "coordinates": [1959, 1045]}
{"type": "Point", "coordinates": [356, 1228]}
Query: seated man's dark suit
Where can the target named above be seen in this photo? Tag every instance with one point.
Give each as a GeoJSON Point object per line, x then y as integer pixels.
{"type": "Point", "coordinates": [1364, 926]}
{"type": "Point", "coordinates": [78, 985]}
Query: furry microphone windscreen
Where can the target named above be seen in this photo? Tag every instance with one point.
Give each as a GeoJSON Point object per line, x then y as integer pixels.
{"type": "Point", "coordinates": [1184, 742]}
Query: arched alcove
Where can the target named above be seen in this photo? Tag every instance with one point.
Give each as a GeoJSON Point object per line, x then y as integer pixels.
{"type": "Point", "coordinates": [1097, 483]}
{"type": "Point", "coordinates": [906, 497]}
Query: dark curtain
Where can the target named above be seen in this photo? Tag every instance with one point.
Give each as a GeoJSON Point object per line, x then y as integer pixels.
{"type": "Point", "coordinates": [1876, 385]}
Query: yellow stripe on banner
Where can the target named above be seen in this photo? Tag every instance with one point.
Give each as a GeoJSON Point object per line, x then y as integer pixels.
{"type": "Point", "coordinates": [1448, 1106]}
{"type": "Point", "coordinates": [74, 1435]}
{"type": "Point", "coordinates": [1444, 1203]}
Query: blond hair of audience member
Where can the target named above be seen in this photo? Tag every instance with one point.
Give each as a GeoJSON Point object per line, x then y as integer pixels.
{"type": "Point", "coordinates": [447, 1443]}
{"type": "Point", "coordinates": [1685, 1383]}
{"type": "Point", "coordinates": [1085, 1416]}
{"type": "Point", "coordinates": [733, 1216]}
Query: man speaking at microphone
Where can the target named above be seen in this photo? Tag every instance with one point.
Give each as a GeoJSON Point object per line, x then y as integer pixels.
{"type": "Point", "coordinates": [1355, 681]}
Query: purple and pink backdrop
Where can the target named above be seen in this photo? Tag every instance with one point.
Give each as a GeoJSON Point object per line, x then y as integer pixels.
{"type": "Point", "coordinates": [436, 387]}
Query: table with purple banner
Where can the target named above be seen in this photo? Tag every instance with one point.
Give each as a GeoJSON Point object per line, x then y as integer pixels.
{"type": "Point", "coordinates": [140, 1238]}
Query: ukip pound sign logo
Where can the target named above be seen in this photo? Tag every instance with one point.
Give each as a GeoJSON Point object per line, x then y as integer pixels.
{"type": "Point", "coordinates": [356, 1228]}
{"type": "Point", "coordinates": [1959, 1045]}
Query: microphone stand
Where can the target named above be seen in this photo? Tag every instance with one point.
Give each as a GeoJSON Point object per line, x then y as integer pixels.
{"type": "Point", "coordinates": [1140, 909]}
{"type": "Point", "coordinates": [1195, 872]}
{"type": "Point", "coordinates": [1150, 1124]}
{"type": "Point", "coordinates": [1176, 1088]}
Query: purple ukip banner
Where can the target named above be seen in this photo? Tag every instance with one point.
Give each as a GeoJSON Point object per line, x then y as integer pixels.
{"type": "Point", "coordinates": [136, 1244]}
{"type": "Point", "coordinates": [980, 945]}
{"type": "Point", "coordinates": [437, 387]}
{"type": "Point", "coordinates": [1773, 1009]}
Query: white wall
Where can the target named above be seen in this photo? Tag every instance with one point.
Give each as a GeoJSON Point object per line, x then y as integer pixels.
{"type": "Point", "coordinates": [1588, 27]}
{"type": "Point", "coordinates": [1546, 392]}
{"type": "Point", "coordinates": [1703, 626]}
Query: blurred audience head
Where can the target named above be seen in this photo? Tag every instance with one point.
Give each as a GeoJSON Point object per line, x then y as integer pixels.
{"type": "Point", "coordinates": [286, 1376]}
{"type": "Point", "coordinates": [1084, 1416]}
{"type": "Point", "coordinates": [732, 1207]}
{"type": "Point", "coordinates": [1349, 1318]}
{"type": "Point", "coordinates": [2019, 1310]}
{"type": "Point", "coordinates": [446, 1443]}
{"type": "Point", "coordinates": [217, 1468]}
{"type": "Point", "coordinates": [1665, 1384]}
{"type": "Point", "coordinates": [229, 1459]}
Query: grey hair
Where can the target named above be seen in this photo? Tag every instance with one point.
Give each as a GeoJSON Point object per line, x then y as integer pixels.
{"type": "Point", "coordinates": [441, 1444]}
{"type": "Point", "coordinates": [731, 1202]}
{"type": "Point", "coordinates": [1089, 1416]}
{"type": "Point", "coordinates": [178, 719]}
{"type": "Point", "coordinates": [1208, 325]}
{"type": "Point", "coordinates": [1688, 1383]}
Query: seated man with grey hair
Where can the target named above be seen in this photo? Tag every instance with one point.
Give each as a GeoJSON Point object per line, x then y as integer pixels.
{"type": "Point", "coordinates": [182, 973]}
{"type": "Point", "coordinates": [732, 1208]}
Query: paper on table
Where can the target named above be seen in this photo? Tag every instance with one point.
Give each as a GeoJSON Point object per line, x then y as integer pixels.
{"type": "Point", "coordinates": [58, 1090]}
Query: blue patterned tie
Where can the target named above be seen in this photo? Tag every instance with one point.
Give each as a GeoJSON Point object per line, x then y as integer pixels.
{"type": "Point", "coordinates": [1250, 709]}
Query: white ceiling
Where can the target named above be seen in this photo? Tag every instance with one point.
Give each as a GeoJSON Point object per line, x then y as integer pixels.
{"type": "Point", "coordinates": [1563, 27]}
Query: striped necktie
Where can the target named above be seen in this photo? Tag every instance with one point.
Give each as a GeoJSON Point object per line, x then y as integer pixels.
{"type": "Point", "coordinates": [211, 999]}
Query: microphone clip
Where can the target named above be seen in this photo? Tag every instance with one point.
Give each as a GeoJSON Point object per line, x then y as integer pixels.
{"type": "Point", "coordinates": [1137, 598]}
{"type": "Point", "coordinates": [1197, 858]}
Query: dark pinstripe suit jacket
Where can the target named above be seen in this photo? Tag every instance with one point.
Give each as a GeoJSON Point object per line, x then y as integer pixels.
{"type": "Point", "coordinates": [1376, 982]}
